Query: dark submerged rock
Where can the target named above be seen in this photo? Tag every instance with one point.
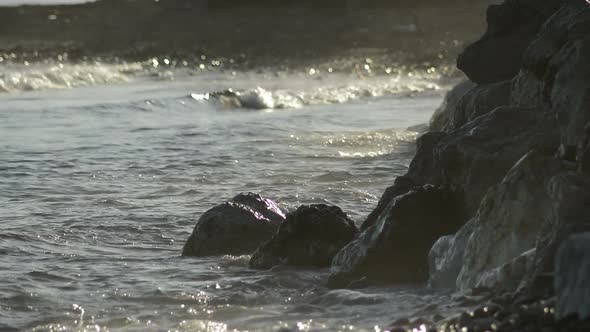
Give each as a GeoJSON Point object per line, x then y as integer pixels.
{"type": "Point", "coordinates": [309, 237]}
{"type": "Point", "coordinates": [235, 227]}
{"type": "Point", "coordinates": [395, 248]}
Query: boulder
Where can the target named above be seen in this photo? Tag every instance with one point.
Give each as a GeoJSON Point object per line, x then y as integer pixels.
{"type": "Point", "coordinates": [507, 222]}
{"type": "Point", "coordinates": [479, 101]}
{"type": "Point", "coordinates": [395, 248]}
{"type": "Point", "coordinates": [234, 228]}
{"type": "Point", "coordinates": [556, 71]}
{"type": "Point", "coordinates": [474, 157]}
{"type": "Point", "coordinates": [572, 277]}
{"type": "Point", "coordinates": [443, 115]}
{"type": "Point", "coordinates": [512, 25]}
{"type": "Point", "coordinates": [445, 258]}
{"type": "Point", "coordinates": [310, 237]}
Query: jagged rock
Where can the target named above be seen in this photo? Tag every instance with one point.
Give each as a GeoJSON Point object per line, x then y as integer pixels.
{"type": "Point", "coordinates": [511, 27]}
{"type": "Point", "coordinates": [476, 156]}
{"type": "Point", "coordinates": [572, 277]}
{"type": "Point", "coordinates": [556, 70]}
{"type": "Point", "coordinates": [235, 227]}
{"type": "Point", "coordinates": [508, 276]}
{"type": "Point", "coordinates": [508, 219]}
{"type": "Point", "coordinates": [445, 258]}
{"type": "Point", "coordinates": [473, 157]}
{"type": "Point", "coordinates": [479, 101]}
{"type": "Point", "coordinates": [569, 193]}
{"type": "Point", "coordinates": [401, 185]}
{"type": "Point", "coordinates": [443, 116]}
{"type": "Point", "coordinates": [583, 151]}
{"type": "Point", "coordinates": [395, 248]}
{"type": "Point", "coordinates": [310, 236]}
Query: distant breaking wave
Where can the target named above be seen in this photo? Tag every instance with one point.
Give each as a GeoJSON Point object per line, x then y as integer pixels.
{"type": "Point", "coordinates": [17, 78]}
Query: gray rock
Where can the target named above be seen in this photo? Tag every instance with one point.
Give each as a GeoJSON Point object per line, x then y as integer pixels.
{"type": "Point", "coordinates": [473, 157]}
{"type": "Point", "coordinates": [310, 237]}
{"type": "Point", "coordinates": [443, 115]}
{"type": "Point", "coordinates": [445, 258]}
{"type": "Point", "coordinates": [479, 101]}
{"type": "Point", "coordinates": [507, 221]}
{"type": "Point", "coordinates": [235, 227]}
{"type": "Point", "coordinates": [512, 25]}
{"type": "Point", "coordinates": [395, 248]}
{"type": "Point", "coordinates": [556, 70]}
{"type": "Point", "coordinates": [478, 155]}
{"type": "Point", "coordinates": [572, 277]}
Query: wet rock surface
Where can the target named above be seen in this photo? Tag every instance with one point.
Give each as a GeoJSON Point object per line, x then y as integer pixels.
{"type": "Point", "coordinates": [234, 228]}
{"type": "Point", "coordinates": [507, 223]}
{"type": "Point", "coordinates": [395, 248]}
{"type": "Point", "coordinates": [504, 313]}
{"type": "Point", "coordinates": [572, 277]}
{"type": "Point", "coordinates": [310, 237]}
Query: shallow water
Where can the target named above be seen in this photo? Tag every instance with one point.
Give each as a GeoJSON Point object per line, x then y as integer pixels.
{"type": "Point", "coordinates": [102, 184]}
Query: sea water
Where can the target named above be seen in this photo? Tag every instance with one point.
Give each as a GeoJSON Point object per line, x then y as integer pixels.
{"type": "Point", "coordinates": [105, 169]}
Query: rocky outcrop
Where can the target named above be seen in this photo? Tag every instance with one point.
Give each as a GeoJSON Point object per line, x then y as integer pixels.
{"type": "Point", "coordinates": [445, 258]}
{"type": "Point", "coordinates": [395, 248]}
{"type": "Point", "coordinates": [443, 115]}
{"type": "Point", "coordinates": [476, 101]}
{"type": "Point", "coordinates": [474, 157]}
{"type": "Point", "coordinates": [572, 277]}
{"type": "Point", "coordinates": [507, 223]}
{"type": "Point", "coordinates": [235, 227]}
{"type": "Point", "coordinates": [512, 25]}
{"type": "Point", "coordinates": [310, 237]}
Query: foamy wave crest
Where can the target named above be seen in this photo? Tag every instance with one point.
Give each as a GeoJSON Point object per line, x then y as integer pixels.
{"type": "Point", "coordinates": [260, 98]}
{"type": "Point", "coordinates": [59, 76]}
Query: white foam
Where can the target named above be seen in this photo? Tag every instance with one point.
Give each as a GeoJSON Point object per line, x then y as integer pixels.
{"type": "Point", "coordinates": [59, 76]}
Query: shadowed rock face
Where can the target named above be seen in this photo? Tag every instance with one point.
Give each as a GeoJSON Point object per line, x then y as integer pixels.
{"type": "Point", "coordinates": [512, 25]}
{"type": "Point", "coordinates": [507, 222]}
{"type": "Point", "coordinates": [474, 157]}
{"type": "Point", "coordinates": [234, 228]}
{"type": "Point", "coordinates": [395, 248]}
{"type": "Point", "coordinates": [310, 237]}
{"type": "Point", "coordinates": [572, 277]}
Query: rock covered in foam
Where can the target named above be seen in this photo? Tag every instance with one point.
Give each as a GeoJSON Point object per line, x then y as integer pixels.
{"type": "Point", "coordinates": [395, 248]}
{"type": "Point", "coordinates": [235, 227]}
{"type": "Point", "coordinates": [310, 236]}
{"type": "Point", "coordinates": [572, 277]}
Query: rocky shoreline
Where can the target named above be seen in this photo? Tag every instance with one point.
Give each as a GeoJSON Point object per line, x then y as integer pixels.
{"type": "Point", "coordinates": [496, 202]}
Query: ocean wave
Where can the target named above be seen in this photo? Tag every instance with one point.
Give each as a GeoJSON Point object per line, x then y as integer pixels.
{"type": "Point", "coordinates": [28, 77]}
{"type": "Point", "coordinates": [262, 99]}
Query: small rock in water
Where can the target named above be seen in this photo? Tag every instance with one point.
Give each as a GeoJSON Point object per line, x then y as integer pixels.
{"type": "Point", "coordinates": [310, 236]}
{"type": "Point", "coordinates": [236, 227]}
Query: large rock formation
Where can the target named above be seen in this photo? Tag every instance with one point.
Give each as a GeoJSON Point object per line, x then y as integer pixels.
{"type": "Point", "coordinates": [309, 237]}
{"type": "Point", "coordinates": [507, 222]}
{"type": "Point", "coordinates": [235, 227]}
{"type": "Point", "coordinates": [474, 157]}
{"type": "Point", "coordinates": [497, 56]}
{"type": "Point", "coordinates": [445, 258]}
{"type": "Point", "coordinates": [395, 248]}
{"type": "Point", "coordinates": [572, 277]}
